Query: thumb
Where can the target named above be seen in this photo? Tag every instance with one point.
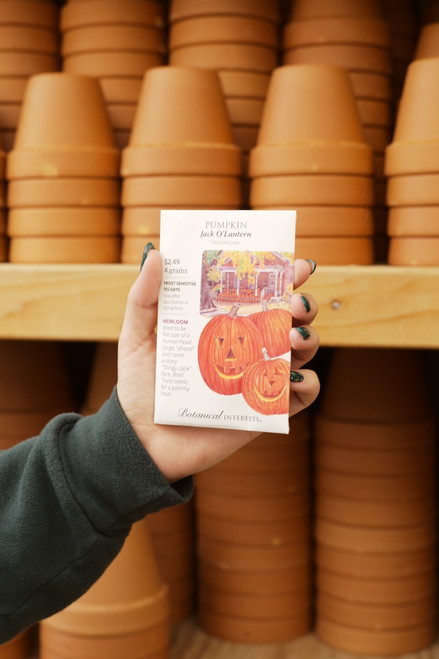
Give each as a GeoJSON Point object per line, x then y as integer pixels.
{"type": "Point", "coordinates": [141, 308]}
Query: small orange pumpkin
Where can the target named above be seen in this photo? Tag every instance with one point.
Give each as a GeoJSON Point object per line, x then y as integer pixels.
{"type": "Point", "coordinates": [274, 325]}
{"type": "Point", "coordinates": [266, 385]}
{"type": "Point", "coordinates": [227, 345]}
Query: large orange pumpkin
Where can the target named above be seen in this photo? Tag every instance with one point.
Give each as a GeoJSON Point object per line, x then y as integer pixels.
{"type": "Point", "coordinates": [266, 385]}
{"type": "Point", "coordinates": [227, 345]}
{"type": "Point", "coordinates": [274, 325]}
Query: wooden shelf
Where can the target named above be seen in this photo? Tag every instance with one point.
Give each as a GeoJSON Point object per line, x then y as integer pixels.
{"type": "Point", "coordinates": [379, 306]}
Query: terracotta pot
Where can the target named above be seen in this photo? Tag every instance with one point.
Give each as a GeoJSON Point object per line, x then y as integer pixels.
{"type": "Point", "coordinates": [241, 484]}
{"type": "Point", "coordinates": [245, 111]}
{"type": "Point", "coordinates": [254, 534]}
{"type": "Point", "coordinates": [27, 64]}
{"type": "Point", "coordinates": [27, 12]}
{"type": "Point", "coordinates": [414, 251]}
{"type": "Point", "coordinates": [17, 648]}
{"type": "Point", "coordinates": [128, 603]}
{"type": "Point", "coordinates": [184, 9]}
{"type": "Point", "coordinates": [311, 190]}
{"type": "Point", "coordinates": [51, 163]}
{"type": "Point", "coordinates": [336, 250]}
{"type": "Point", "coordinates": [66, 191]}
{"type": "Point", "coordinates": [13, 88]}
{"type": "Point", "coordinates": [253, 558]}
{"type": "Point", "coordinates": [376, 565]}
{"type": "Point", "coordinates": [93, 38]}
{"type": "Point", "coordinates": [375, 488]}
{"type": "Point", "coordinates": [369, 513]}
{"type": "Point", "coordinates": [121, 115]}
{"type": "Point", "coordinates": [370, 85]}
{"type": "Point", "coordinates": [254, 631]}
{"type": "Point", "coordinates": [377, 138]}
{"type": "Point", "coordinates": [358, 58]}
{"type": "Point", "coordinates": [427, 45]}
{"type": "Point", "coordinates": [245, 136]}
{"type": "Point", "coordinates": [96, 221]}
{"type": "Point", "coordinates": [304, 10]}
{"type": "Point", "coordinates": [340, 29]}
{"type": "Point", "coordinates": [19, 38]}
{"type": "Point", "coordinates": [72, 249]}
{"type": "Point", "coordinates": [282, 458]}
{"type": "Point", "coordinates": [370, 462]}
{"type": "Point", "coordinates": [50, 96]}
{"type": "Point", "coordinates": [244, 84]}
{"type": "Point", "coordinates": [140, 221]}
{"type": "Point", "coordinates": [122, 138]}
{"type": "Point", "coordinates": [109, 64]}
{"type": "Point", "coordinates": [131, 12]}
{"type": "Point", "coordinates": [413, 190]}
{"type": "Point", "coordinates": [254, 607]}
{"type": "Point", "coordinates": [226, 56]}
{"type": "Point", "coordinates": [353, 393]}
{"type": "Point", "coordinates": [256, 582]}
{"type": "Point", "coordinates": [405, 221]}
{"type": "Point", "coordinates": [196, 191]}
{"type": "Point", "coordinates": [376, 617]}
{"type": "Point", "coordinates": [375, 113]}
{"type": "Point", "coordinates": [33, 380]}
{"type": "Point", "coordinates": [364, 539]}
{"type": "Point", "coordinates": [342, 221]}
{"type": "Point", "coordinates": [9, 115]}
{"type": "Point", "coordinates": [121, 90]}
{"type": "Point", "coordinates": [219, 160]}
{"type": "Point", "coordinates": [388, 435]}
{"type": "Point", "coordinates": [132, 247]}
{"type": "Point", "coordinates": [203, 115]}
{"type": "Point", "coordinates": [223, 29]}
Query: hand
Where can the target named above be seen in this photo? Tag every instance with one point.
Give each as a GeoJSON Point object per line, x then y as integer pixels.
{"type": "Point", "coordinates": [183, 451]}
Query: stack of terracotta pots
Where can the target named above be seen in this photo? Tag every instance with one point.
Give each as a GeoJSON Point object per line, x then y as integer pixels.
{"type": "Point", "coordinates": [3, 236]}
{"type": "Point", "coordinates": [311, 156]}
{"type": "Point", "coordinates": [34, 388]}
{"type": "Point", "coordinates": [20, 647]}
{"type": "Point", "coordinates": [173, 538]}
{"type": "Point", "coordinates": [253, 540]}
{"type": "Point", "coordinates": [28, 45]}
{"type": "Point", "coordinates": [63, 175]}
{"type": "Point", "coordinates": [412, 167]}
{"type": "Point", "coordinates": [240, 40]}
{"type": "Point", "coordinates": [402, 18]}
{"type": "Point", "coordinates": [356, 37]}
{"type": "Point", "coordinates": [125, 613]}
{"type": "Point", "coordinates": [181, 154]}
{"type": "Point", "coordinates": [115, 41]}
{"type": "Point", "coordinates": [375, 524]}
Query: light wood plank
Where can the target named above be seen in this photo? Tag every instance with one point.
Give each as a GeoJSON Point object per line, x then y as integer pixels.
{"type": "Point", "coordinates": [377, 306]}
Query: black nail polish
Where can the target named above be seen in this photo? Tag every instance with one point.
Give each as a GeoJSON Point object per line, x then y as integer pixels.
{"type": "Point", "coordinates": [146, 251]}
{"type": "Point", "coordinates": [295, 376]}
{"type": "Point", "coordinates": [305, 303]}
{"type": "Point", "coordinates": [303, 332]}
{"type": "Point", "coordinates": [313, 264]}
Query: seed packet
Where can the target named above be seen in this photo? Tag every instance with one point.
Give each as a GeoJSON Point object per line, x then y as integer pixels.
{"type": "Point", "coordinates": [223, 348]}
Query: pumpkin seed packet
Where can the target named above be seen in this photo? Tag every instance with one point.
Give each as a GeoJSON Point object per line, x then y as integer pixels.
{"type": "Point", "coordinates": [223, 348]}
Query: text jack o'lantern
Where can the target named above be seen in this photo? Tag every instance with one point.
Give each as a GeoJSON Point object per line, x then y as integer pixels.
{"type": "Point", "coordinates": [228, 345]}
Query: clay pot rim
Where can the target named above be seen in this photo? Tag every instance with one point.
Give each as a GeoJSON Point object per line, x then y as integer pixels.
{"type": "Point", "coordinates": [341, 30]}
{"type": "Point", "coordinates": [413, 221]}
{"type": "Point", "coordinates": [72, 16]}
{"type": "Point", "coordinates": [53, 222]}
{"type": "Point", "coordinates": [63, 162]}
{"type": "Point", "coordinates": [409, 157]}
{"type": "Point", "coordinates": [310, 157]}
{"type": "Point", "coordinates": [414, 250]}
{"type": "Point", "coordinates": [191, 9]}
{"type": "Point", "coordinates": [225, 28]}
{"type": "Point", "coordinates": [219, 159]}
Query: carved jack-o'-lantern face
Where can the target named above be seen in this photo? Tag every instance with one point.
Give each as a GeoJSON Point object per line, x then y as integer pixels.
{"type": "Point", "coordinates": [227, 346]}
{"type": "Point", "coordinates": [265, 385]}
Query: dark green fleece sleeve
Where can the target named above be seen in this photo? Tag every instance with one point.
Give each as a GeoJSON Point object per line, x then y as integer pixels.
{"type": "Point", "coordinates": [67, 501]}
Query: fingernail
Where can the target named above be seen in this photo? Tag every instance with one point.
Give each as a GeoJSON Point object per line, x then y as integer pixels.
{"type": "Point", "coordinates": [313, 265]}
{"type": "Point", "coordinates": [295, 376]}
{"type": "Point", "coordinates": [305, 303]}
{"type": "Point", "coordinates": [303, 332]}
{"type": "Point", "coordinates": [146, 251]}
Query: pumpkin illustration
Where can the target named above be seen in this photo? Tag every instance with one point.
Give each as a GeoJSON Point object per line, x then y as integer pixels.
{"type": "Point", "coordinates": [274, 325]}
{"type": "Point", "coordinates": [266, 385]}
{"type": "Point", "coordinates": [227, 345]}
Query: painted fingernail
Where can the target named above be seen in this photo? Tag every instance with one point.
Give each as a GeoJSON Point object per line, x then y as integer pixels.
{"type": "Point", "coordinates": [305, 303]}
{"type": "Point", "coordinates": [303, 332]}
{"type": "Point", "coordinates": [295, 376]}
{"type": "Point", "coordinates": [313, 265]}
{"type": "Point", "coordinates": [146, 251]}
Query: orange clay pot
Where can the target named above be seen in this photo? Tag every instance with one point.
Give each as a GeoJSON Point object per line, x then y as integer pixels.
{"type": "Point", "coordinates": [19, 38]}
{"type": "Point", "coordinates": [254, 534]}
{"type": "Point", "coordinates": [63, 221]}
{"type": "Point", "coordinates": [311, 190]}
{"type": "Point", "coordinates": [195, 191]}
{"type": "Point", "coordinates": [131, 12]}
{"type": "Point", "coordinates": [218, 160]}
{"type": "Point", "coordinates": [27, 64]}
{"type": "Point", "coordinates": [386, 642]}
{"type": "Point", "coordinates": [59, 192]}
{"type": "Point", "coordinates": [256, 582]}
{"type": "Point", "coordinates": [72, 249]}
{"type": "Point", "coordinates": [357, 58]}
{"type": "Point", "coordinates": [370, 85]}
{"type": "Point", "coordinates": [184, 9]}
{"type": "Point", "coordinates": [109, 64]}
{"type": "Point", "coordinates": [244, 84]}
{"type": "Point", "coordinates": [132, 247]}
{"type": "Point", "coordinates": [337, 250]}
{"type": "Point", "coordinates": [121, 90]}
{"type": "Point", "coordinates": [405, 221]}
{"type": "Point", "coordinates": [226, 56]}
{"type": "Point", "coordinates": [414, 251]}
{"type": "Point", "coordinates": [140, 38]}
{"type": "Point", "coordinates": [413, 190]}
{"type": "Point", "coordinates": [30, 13]}
{"type": "Point", "coordinates": [329, 221]}
{"type": "Point", "coordinates": [342, 30]}
{"type": "Point", "coordinates": [223, 29]}
{"type": "Point", "coordinates": [303, 10]}
{"type": "Point", "coordinates": [369, 462]}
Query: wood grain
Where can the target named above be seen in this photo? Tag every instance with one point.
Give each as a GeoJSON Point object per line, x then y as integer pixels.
{"type": "Point", "coordinates": [377, 306]}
